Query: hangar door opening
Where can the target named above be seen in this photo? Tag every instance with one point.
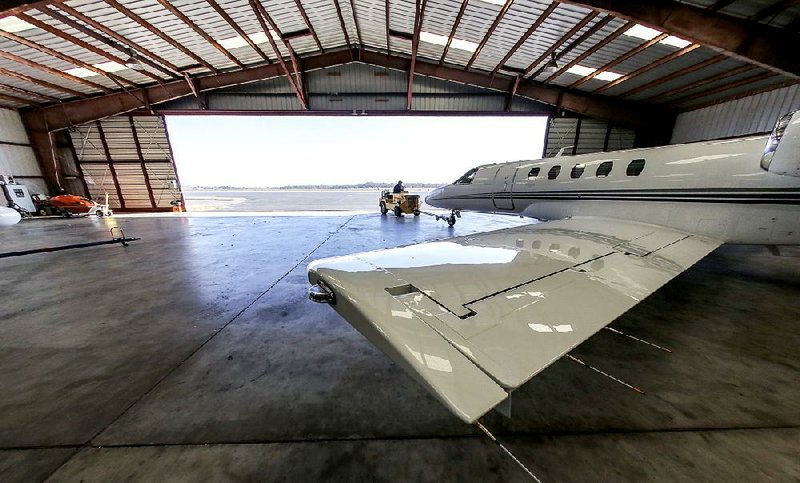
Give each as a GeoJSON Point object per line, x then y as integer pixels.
{"type": "Point", "coordinates": [336, 162]}
{"type": "Point", "coordinates": [129, 159]}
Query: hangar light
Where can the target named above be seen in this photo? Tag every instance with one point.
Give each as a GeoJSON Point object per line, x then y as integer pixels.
{"type": "Point", "coordinates": [442, 40]}
{"type": "Point", "coordinates": [494, 2]}
{"type": "Point", "coordinates": [13, 24]}
{"type": "Point", "coordinates": [675, 42]}
{"type": "Point", "coordinates": [105, 66]}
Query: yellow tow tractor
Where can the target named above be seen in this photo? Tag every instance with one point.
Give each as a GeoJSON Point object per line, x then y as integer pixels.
{"type": "Point", "coordinates": [404, 203]}
{"type": "Point", "coordinates": [399, 203]}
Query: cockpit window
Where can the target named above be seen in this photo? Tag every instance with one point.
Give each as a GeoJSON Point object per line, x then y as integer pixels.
{"type": "Point", "coordinates": [468, 177]}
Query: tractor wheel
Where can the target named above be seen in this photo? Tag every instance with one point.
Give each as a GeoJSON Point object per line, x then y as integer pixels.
{"type": "Point", "coordinates": [42, 212]}
{"type": "Point", "coordinates": [100, 213]}
{"type": "Point", "coordinates": [451, 220]}
{"type": "Point", "coordinates": [384, 210]}
{"type": "Point", "coordinates": [398, 212]}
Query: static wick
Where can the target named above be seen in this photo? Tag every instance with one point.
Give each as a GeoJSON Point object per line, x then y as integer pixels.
{"type": "Point", "coordinates": [665, 349]}
{"type": "Point", "coordinates": [617, 380]}
{"type": "Point", "coordinates": [509, 453]}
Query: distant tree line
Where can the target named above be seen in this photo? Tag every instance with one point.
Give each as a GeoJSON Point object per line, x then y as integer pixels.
{"type": "Point", "coordinates": [367, 185]}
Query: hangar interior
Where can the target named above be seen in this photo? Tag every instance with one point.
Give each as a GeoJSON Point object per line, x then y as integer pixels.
{"type": "Point", "coordinates": [174, 358]}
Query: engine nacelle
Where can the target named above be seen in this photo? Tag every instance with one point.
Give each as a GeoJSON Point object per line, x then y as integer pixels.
{"type": "Point", "coordinates": [782, 153]}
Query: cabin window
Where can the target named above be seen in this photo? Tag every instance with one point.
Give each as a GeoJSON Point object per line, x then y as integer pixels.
{"type": "Point", "coordinates": [554, 172]}
{"type": "Point", "coordinates": [635, 167]}
{"type": "Point", "coordinates": [604, 169]}
{"type": "Point", "coordinates": [468, 177]}
{"type": "Point", "coordinates": [577, 171]}
{"type": "Point", "coordinates": [533, 173]}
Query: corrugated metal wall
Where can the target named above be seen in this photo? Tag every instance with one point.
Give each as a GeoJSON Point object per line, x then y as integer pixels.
{"type": "Point", "coordinates": [748, 115]}
{"type": "Point", "coordinates": [582, 136]}
{"type": "Point", "coordinates": [360, 87]}
{"type": "Point", "coordinates": [16, 155]}
{"type": "Point", "coordinates": [128, 158]}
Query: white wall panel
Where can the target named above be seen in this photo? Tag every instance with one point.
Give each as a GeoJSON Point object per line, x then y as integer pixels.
{"type": "Point", "coordinates": [740, 117]}
{"type": "Point", "coordinates": [15, 160]}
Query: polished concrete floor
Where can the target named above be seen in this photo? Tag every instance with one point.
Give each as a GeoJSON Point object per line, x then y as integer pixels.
{"type": "Point", "coordinates": [193, 354]}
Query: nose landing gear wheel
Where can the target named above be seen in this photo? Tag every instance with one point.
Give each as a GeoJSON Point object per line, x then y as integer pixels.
{"type": "Point", "coordinates": [451, 220]}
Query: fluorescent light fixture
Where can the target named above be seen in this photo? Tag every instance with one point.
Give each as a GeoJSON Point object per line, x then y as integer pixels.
{"type": "Point", "coordinates": [13, 24]}
{"type": "Point", "coordinates": [581, 70]}
{"type": "Point", "coordinates": [608, 76]}
{"type": "Point", "coordinates": [257, 38]}
{"type": "Point", "coordinates": [675, 42]}
{"type": "Point", "coordinates": [442, 40]}
{"type": "Point", "coordinates": [494, 2]}
{"type": "Point", "coordinates": [642, 32]}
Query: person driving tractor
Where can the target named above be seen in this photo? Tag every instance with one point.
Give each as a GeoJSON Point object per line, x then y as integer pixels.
{"type": "Point", "coordinates": [399, 188]}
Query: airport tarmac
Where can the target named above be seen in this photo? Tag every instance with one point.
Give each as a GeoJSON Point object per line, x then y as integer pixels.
{"type": "Point", "coordinates": [194, 354]}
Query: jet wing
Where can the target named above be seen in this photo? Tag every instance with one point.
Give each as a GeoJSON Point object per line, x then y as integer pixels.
{"type": "Point", "coordinates": [473, 318]}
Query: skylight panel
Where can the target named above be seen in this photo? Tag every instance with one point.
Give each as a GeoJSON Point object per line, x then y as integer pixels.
{"type": "Point", "coordinates": [581, 70]}
{"type": "Point", "coordinates": [442, 40]}
{"type": "Point", "coordinates": [13, 25]}
{"type": "Point", "coordinates": [608, 76]}
{"type": "Point", "coordinates": [494, 2]}
{"type": "Point", "coordinates": [80, 72]}
{"type": "Point", "coordinates": [642, 32]}
{"type": "Point", "coordinates": [110, 66]}
{"type": "Point", "coordinates": [675, 42]}
{"type": "Point", "coordinates": [257, 38]}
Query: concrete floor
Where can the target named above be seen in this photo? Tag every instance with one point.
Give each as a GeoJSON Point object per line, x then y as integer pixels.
{"type": "Point", "coordinates": [193, 354]}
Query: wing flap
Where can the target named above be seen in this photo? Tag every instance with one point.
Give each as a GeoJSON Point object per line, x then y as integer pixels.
{"type": "Point", "coordinates": [509, 305]}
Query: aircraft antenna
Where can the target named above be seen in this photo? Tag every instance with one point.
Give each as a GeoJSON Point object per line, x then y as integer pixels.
{"type": "Point", "coordinates": [665, 349]}
{"type": "Point", "coordinates": [617, 380]}
{"type": "Point", "coordinates": [507, 451]}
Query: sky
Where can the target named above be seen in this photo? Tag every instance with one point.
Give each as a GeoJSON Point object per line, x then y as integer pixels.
{"type": "Point", "coordinates": [264, 151]}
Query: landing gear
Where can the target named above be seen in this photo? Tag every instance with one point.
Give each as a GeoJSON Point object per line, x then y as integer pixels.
{"type": "Point", "coordinates": [450, 219]}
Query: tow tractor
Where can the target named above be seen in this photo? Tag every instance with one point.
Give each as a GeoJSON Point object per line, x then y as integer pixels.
{"type": "Point", "coordinates": [69, 205]}
{"type": "Point", "coordinates": [404, 203]}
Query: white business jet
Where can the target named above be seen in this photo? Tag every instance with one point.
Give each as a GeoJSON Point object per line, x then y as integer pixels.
{"type": "Point", "coordinates": [475, 317]}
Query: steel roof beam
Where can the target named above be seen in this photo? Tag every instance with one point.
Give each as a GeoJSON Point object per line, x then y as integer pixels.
{"type": "Point", "coordinates": [705, 81]}
{"type": "Point", "coordinates": [54, 12]}
{"type": "Point", "coordinates": [723, 88]}
{"type": "Point", "coordinates": [489, 33]}
{"type": "Point", "coordinates": [647, 67]}
{"type": "Point", "coordinates": [25, 92]}
{"type": "Point", "coordinates": [202, 33]}
{"type": "Point", "coordinates": [768, 47]}
{"type": "Point", "coordinates": [16, 100]}
{"type": "Point", "coordinates": [80, 43]}
{"type": "Point", "coordinates": [309, 25]}
{"type": "Point", "coordinates": [13, 7]}
{"type": "Point", "coordinates": [418, 16]}
{"type": "Point", "coordinates": [622, 58]}
{"type": "Point", "coordinates": [452, 35]}
{"type": "Point", "coordinates": [539, 21]}
{"type": "Point", "coordinates": [61, 116]}
{"type": "Point", "coordinates": [341, 21]}
{"type": "Point", "coordinates": [66, 58]}
{"type": "Point", "coordinates": [261, 13]}
{"type": "Point", "coordinates": [50, 70]}
{"type": "Point", "coordinates": [235, 26]}
{"type": "Point", "coordinates": [166, 38]}
{"type": "Point", "coordinates": [43, 83]}
{"type": "Point", "coordinates": [599, 45]}
{"type": "Point", "coordinates": [575, 43]}
{"type": "Point", "coordinates": [673, 75]}
{"type": "Point", "coordinates": [355, 21]}
{"type": "Point", "coordinates": [575, 29]}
